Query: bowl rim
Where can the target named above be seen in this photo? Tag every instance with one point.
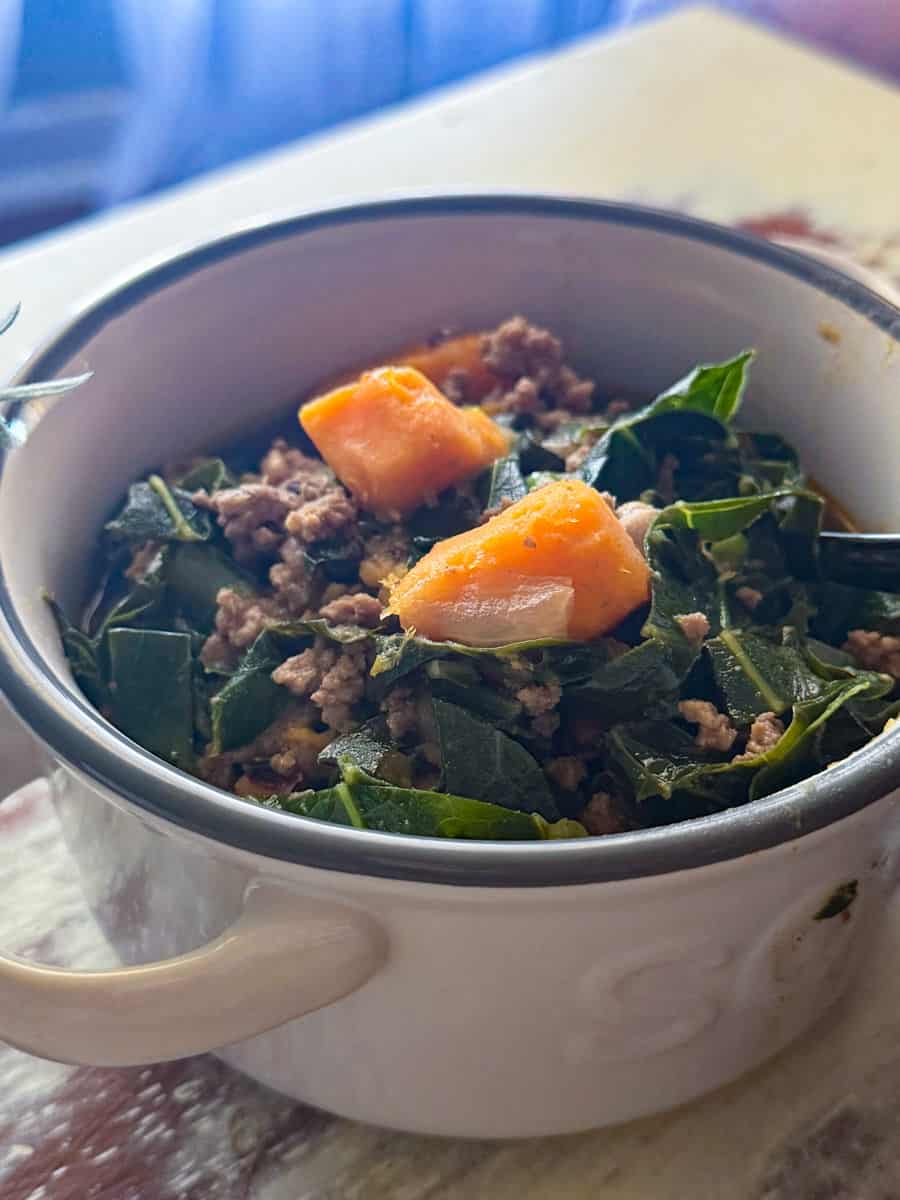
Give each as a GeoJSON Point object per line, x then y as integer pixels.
{"type": "Point", "coordinates": [83, 739]}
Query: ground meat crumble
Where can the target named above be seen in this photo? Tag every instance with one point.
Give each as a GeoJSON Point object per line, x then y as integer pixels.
{"type": "Point", "coordinates": [539, 701]}
{"type": "Point", "coordinates": [602, 815]}
{"type": "Point", "coordinates": [293, 495]}
{"type": "Point", "coordinates": [765, 733]}
{"type": "Point", "coordinates": [528, 360]}
{"type": "Point", "coordinates": [874, 651]}
{"type": "Point", "coordinates": [355, 608]}
{"type": "Point", "coordinates": [714, 729]}
{"type": "Point", "coordinates": [332, 677]}
{"type": "Point", "coordinates": [695, 626]}
{"type": "Point", "coordinates": [401, 713]}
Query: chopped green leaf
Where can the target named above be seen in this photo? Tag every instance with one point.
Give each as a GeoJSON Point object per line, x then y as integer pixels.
{"type": "Point", "coordinates": [155, 512]}
{"type": "Point", "coordinates": [481, 761]}
{"type": "Point", "coordinates": [250, 701]}
{"type": "Point", "coordinates": [209, 475]}
{"type": "Point", "coordinates": [151, 691]}
{"type": "Point", "coordinates": [197, 571]}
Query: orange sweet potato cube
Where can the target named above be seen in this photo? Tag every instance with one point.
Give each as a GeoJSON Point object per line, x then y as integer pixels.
{"type": "Point", "coordinates": [557, 563]}
{"type": "Point", "coordinates": [395, 442]}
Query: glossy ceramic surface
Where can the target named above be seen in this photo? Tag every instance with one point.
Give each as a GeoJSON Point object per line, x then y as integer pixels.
{"type": "Point", "coordinates": [640, 970]}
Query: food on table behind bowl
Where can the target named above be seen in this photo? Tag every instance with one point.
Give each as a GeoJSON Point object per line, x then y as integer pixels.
{"type": "Point", "coordinates": [470, 596]}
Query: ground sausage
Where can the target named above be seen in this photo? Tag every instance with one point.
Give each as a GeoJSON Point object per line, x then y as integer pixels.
{"type": "Point", "coordinates": [694, 626]}
{"type": "Point", "coordinates": [322, 517]}
{"type": "Point", "coordinates": [400, 713]}
{"type": "Point", "coordinates": [714, 729]}
{"type": "Point", "coordinates": [749, 597]}
{"type": "Point", "coordinates": [566, 772]}
{"type": "Point", "coordinates": [601, 815]}
{"type": "Point", "coordinates": [528, 360]}
{"type": "Point", "coordinates": [875, 651]}
{"type": "Point", "coordinates": [332, 677]}
{"type": "Point", "coordinates": [358, 608]}
{"type": "Point", "coordinates": [765, 733]}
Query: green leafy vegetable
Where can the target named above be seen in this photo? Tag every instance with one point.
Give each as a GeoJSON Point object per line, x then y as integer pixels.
{"type": "Point", "coordinates": [209, 474]}
{"type": "Point", "coordinates": [643, 681]}
{"type": "Point", "coordinates": [502, 483]}
{"type": "Point", "coordinates": [686, 422]}
{"type": "Point", "coordinates": [397, 654]}
{"type": "Point", "coordinates": [250, 701]}
{"type": "Point", "coordinates": [659, 762]}
{"type": "Point", "coordinates": [156, 512]}
{"type": "Point", "coordinates": [123, 602]}
{"type": "Point", "coordinates": [840, 608]}
{"type": "Point", "coordinates": [151, 691]}
{"type": "Point", "coordinates": [366, 803]}
{"type": "Point", "coordinates": [197, 571]}
{"type": "Point", "coordinates": [715, 389]}
{"type": "Point", "coordinates": [337, 558]}
{"type": "Point", "coordinates": [460, 682]}
{"type": "Point", "coordinates": [81, 653]}
{"type": "Point", "coordinates": [481, 761]}
{"type": "Point", "coordinates": [756, 675]}
{"type": "Point", "coordinates": [370, 750]}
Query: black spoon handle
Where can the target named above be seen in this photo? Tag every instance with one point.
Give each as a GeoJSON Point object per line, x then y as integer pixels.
{"type": "Point", "coordinates": [867, 560]}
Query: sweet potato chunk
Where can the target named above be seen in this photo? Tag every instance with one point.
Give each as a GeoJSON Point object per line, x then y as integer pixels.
{"type": "Point", "coordinates": [394, 441]}
{"type": "Point", "coordinates": [557, 563]}
{"type": "Point", "coordinates": [457, 353]}
{"type": "Point", "coordinates": [461, 353]}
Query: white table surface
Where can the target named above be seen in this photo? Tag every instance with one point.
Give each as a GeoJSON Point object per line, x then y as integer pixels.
{"type": "Point", "coordinates": [701, 112]}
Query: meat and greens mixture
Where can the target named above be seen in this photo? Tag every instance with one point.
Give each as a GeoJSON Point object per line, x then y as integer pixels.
{"type": "Point", "coordinates": [469, 595]}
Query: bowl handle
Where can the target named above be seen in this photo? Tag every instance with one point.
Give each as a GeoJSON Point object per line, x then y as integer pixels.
{"type": "Point", "coordinates": [282, 958]}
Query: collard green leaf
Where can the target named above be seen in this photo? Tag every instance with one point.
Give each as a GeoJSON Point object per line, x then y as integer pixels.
{"type": "Point", "coordinates": [716, 389]}
{"type": "Point", "coordinates": [365, 803]}
{"type": "Point", "coordinates": [398, 654]}
{"type": "Point", "coordinates": [345, 635]}
{"type": "Point", "coordinates": [644, 681]}
{"type": "Point", "coordinates": [250, 701]}
{"type": "Point", "coordinates": [371, 751]}
{"type": "Point", "coordinates": [196, 572]}
{"type": "Point", "coordinates": [689, 421]}
{"type": "Point", "coordinates": [338, 559]}
{"type": "Point", "coordinates": [151, 691]}
{"type": "Point", "coordinates": [535, 455]}
{"type": "Point", "coordinates": [660, 764]}
{"type": "Point", "coordinates": [840, 608]}
{"type": "Point", "coordinates": [460, 682]}
{"type": "Point", "coordinates": [156, 512]}
{"type": "Point", "coordinates": [81, 652]}
{"type": "Point", "coordinates": [121, 601]}
{"type": "Point", "coordinates": [799, 752]}
{"type": "Point", "coordinates": [481, 761]}
{"type": "Point", "coordinates": [689, 573]}
{"type": "Point", "coordinates": [502, 483]}
{"type": "Point", "coordinates": [756, 674]}
{"type": "Point", "coordinates": [207, 474]}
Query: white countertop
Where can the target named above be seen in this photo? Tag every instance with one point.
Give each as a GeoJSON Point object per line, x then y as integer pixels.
{"type": "Point", "coordinates": [701, 112]}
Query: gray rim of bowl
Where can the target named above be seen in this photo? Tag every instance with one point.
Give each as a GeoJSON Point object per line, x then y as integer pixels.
{"type": "Point", "coordinates": [80, 737]}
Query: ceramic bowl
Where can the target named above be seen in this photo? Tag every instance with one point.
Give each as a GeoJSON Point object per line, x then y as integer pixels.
{"type": "Point", "coordinates": [468, 988]}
